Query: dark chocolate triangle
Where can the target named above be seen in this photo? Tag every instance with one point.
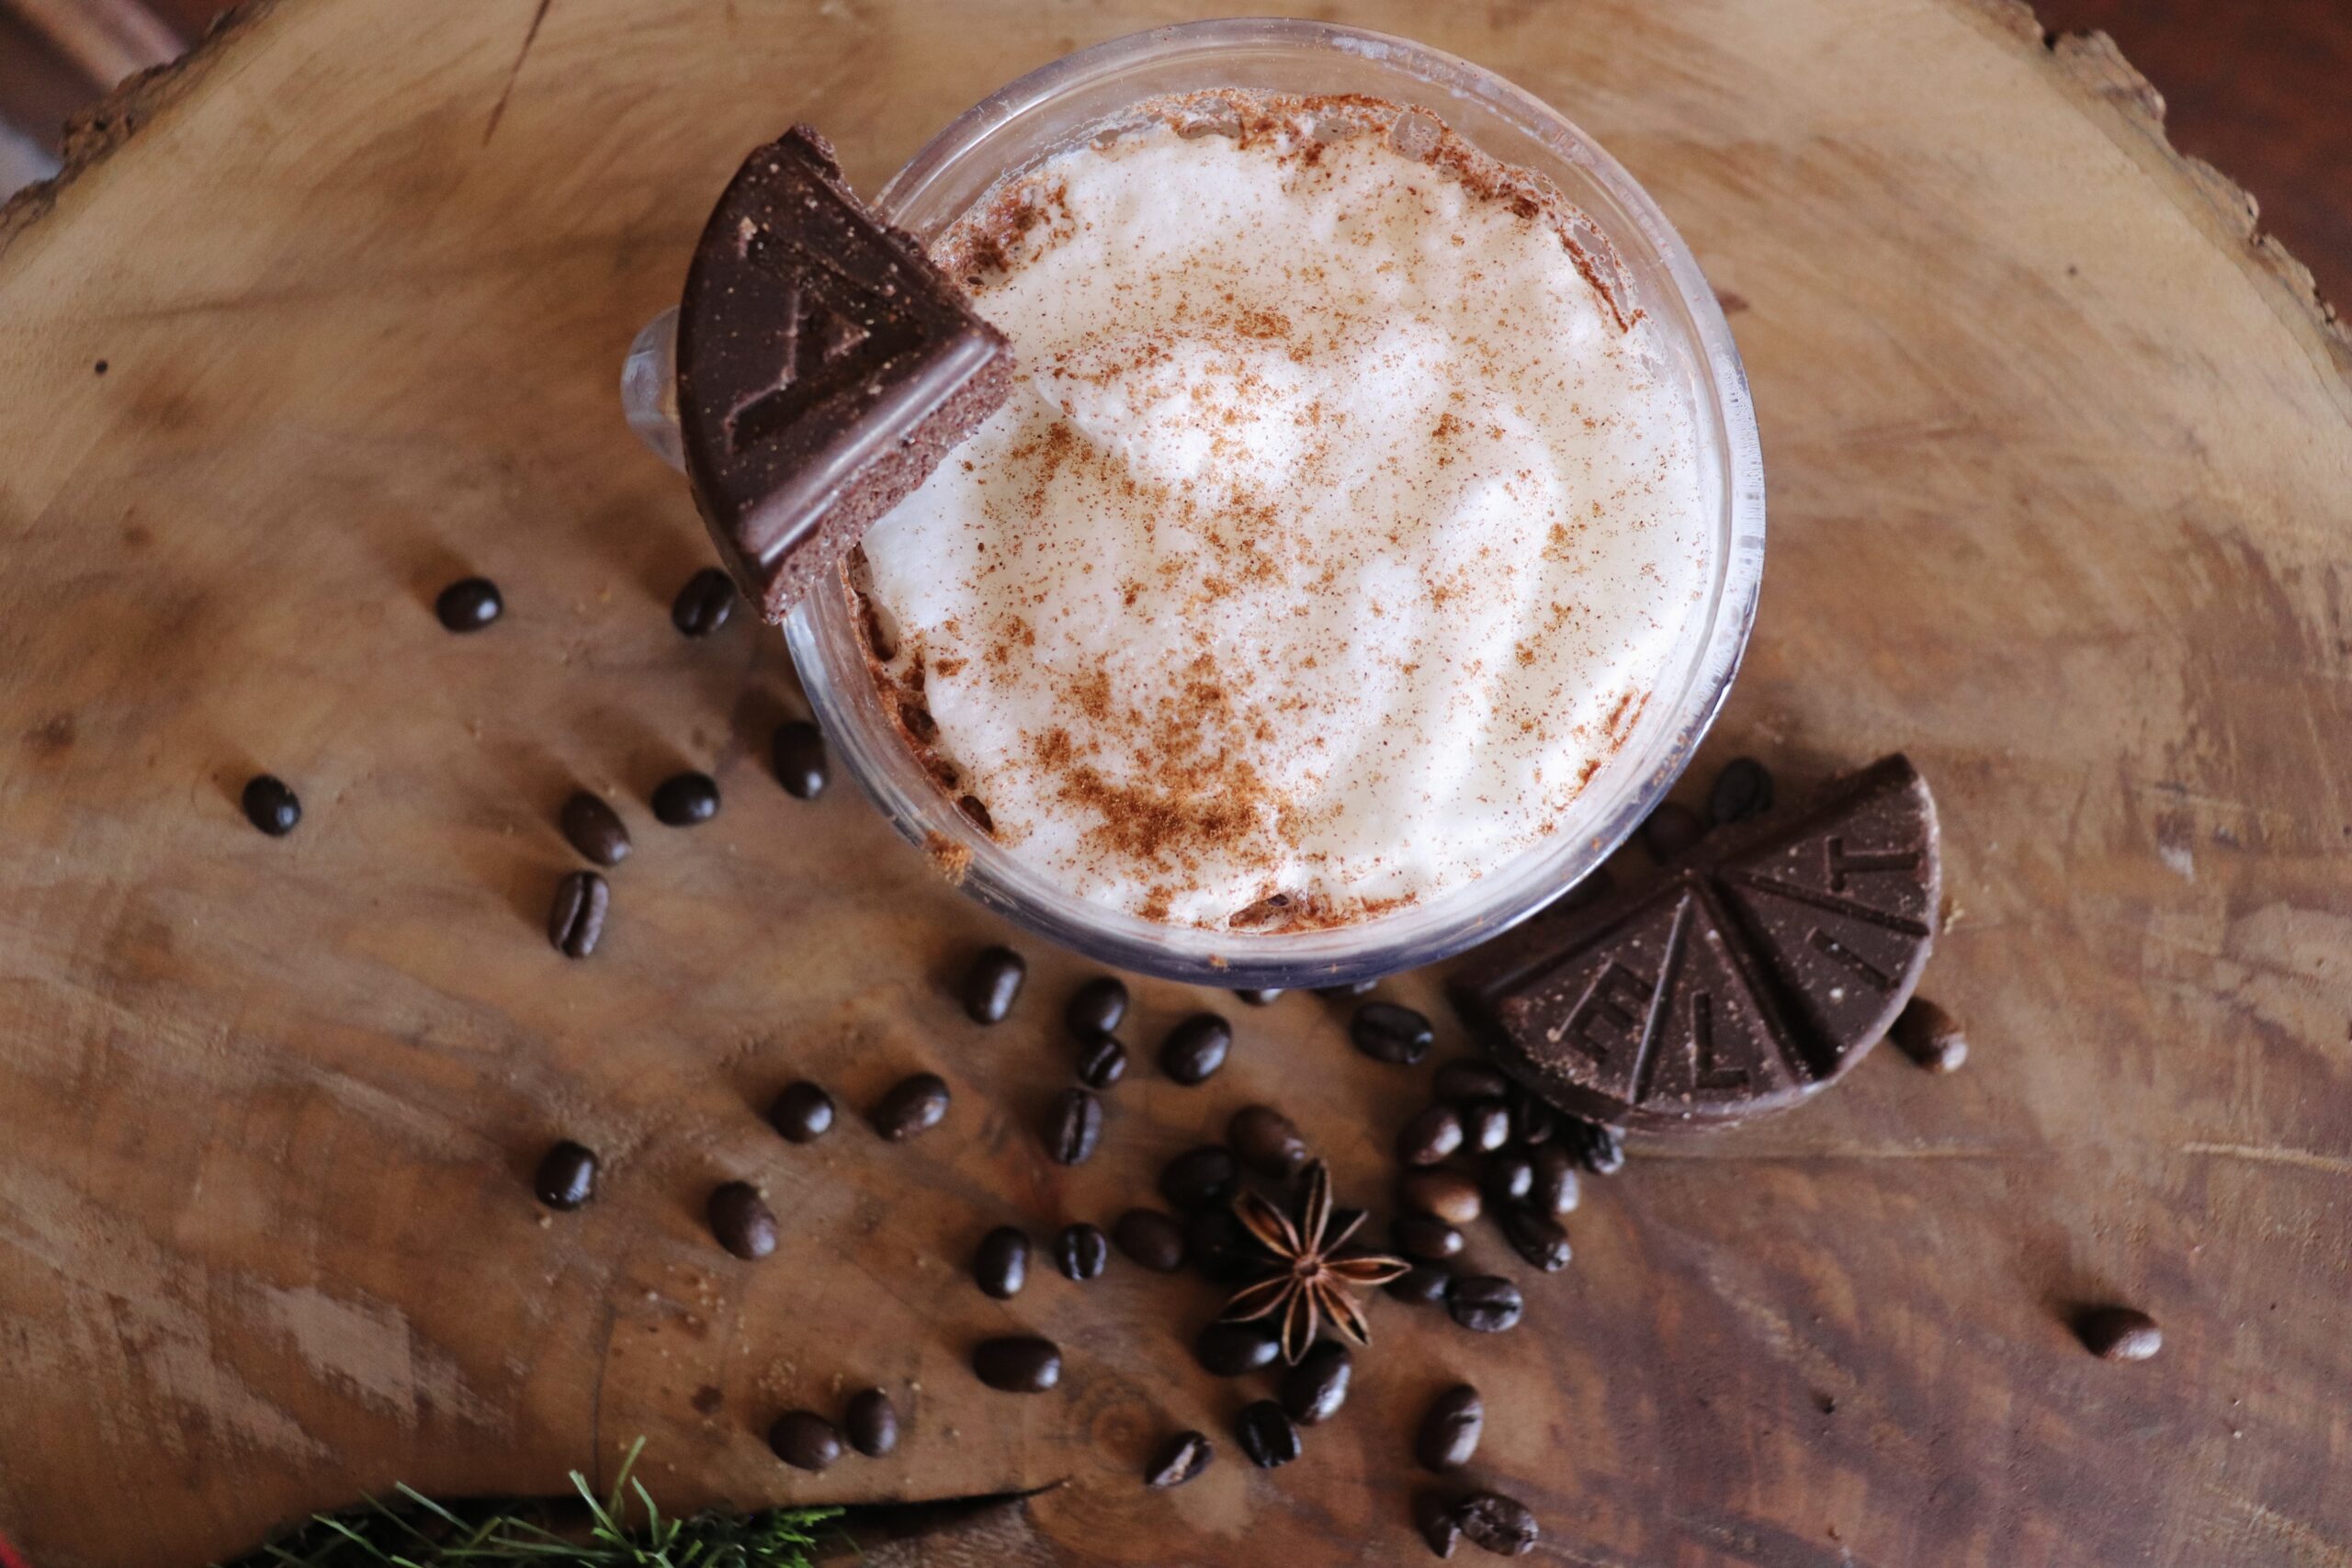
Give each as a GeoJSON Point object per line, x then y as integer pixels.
{"type": "Point", "coordinates": [1844, 968]}
{"type": "Point", "coordinates": [1840, 908]}
{"type": "Point", "coordinates": [1583, 1023]}
{"type": "Point", "coordinates": [825, 367]}
{"type": "Point", "coordinates": [1871, 848]}
{"type": "Point", "coordinates": [1717, 1048]}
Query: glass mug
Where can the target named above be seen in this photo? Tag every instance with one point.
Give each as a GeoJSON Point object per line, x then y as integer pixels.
{"type": "Point", "coordinates": [1058, 106]}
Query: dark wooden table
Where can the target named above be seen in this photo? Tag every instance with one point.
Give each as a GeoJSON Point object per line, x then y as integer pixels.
{"type": "Point", "coordinates": [2060, 456]}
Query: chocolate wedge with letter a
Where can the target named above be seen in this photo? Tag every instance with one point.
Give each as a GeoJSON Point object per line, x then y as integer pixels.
{"type": "Point", "coordinates": [825, 367]}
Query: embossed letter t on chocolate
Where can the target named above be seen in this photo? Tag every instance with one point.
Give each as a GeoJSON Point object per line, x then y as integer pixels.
{"type": "Point", "coordinates": [825, 367]}
{"type": "Point", "coordinates": [1760, 967]}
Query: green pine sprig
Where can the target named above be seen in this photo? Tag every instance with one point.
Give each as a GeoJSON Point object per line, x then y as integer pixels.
{"type": "Point", "coordinates": [412, 1530]}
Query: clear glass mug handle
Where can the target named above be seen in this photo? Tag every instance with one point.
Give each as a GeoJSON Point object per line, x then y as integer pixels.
{"type": "Point", "coordinates": [649, 388]}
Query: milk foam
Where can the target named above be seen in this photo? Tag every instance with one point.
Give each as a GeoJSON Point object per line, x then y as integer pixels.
{"type": "Point", "coordinates": [1330, 543]}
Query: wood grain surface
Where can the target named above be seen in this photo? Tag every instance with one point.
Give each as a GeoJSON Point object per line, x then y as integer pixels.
{"type": "Point", "coordinates": [2257, 90]}
{"type": "Point", "coordinates": [2060, 458]}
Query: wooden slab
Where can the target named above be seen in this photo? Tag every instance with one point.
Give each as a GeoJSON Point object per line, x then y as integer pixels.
{"type": "Point", "coordinates": [2061, 474]}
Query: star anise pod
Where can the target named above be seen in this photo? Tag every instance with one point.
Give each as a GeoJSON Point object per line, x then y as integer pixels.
{"type": "Point", "coordinates": [1312, 1275]}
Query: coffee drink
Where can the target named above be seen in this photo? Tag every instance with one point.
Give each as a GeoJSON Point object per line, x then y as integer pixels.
{"type": "Point", "coordinates": [1339, 527]}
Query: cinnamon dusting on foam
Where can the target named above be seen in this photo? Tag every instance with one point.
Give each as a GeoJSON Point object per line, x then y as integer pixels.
{"type": "Point", "coordinates": [1196, 624]}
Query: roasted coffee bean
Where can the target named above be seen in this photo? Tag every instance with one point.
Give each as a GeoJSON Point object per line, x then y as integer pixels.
{"type": "Point", "coordinates": [1448, 1195]}
{"type": "Point", "coordinates": [1267, 1436]}
{"type": "Point", "coordinates": [1180, 1459]}
{"type": "Point", "coordinates": [796, 752]}
{"type": "Point", "coordinates": [1600, 1149]}
{"type": "Point", "coordinates": [1538, 1238]}
{"type": "Point", "coordinates": [1258, 999]}
{"type": "Point", "coordinates": [741, 1221]}
{"type": "Point", "coordinates": [1461, 1081]}
{"type": "Point", "coordinates": [595, 829]}
{"type": "Point", "coordinates": [1219, 1248]}
{"type": "Point", "coordinates": [1931, 1036]}
{"type": "Point", "coordinates": [803, 1113]}
{"type": "Point", "coordinates": [871, 1423]}
{"type": "Point", "coordinates": [576, 919]}
{"type": "Point", "coordinates": [914, 1105]}
{"type": "Point", "coordinates": [1074, 1130]}
{"type": "Point", "coordinates": [1018, 1363]}
{"type": "Point", "coordinates": [1387, 1032]}
{"type": "Point", "coordinates": [1424, 1284]}
{"type": "Point", "coordinates": [567, 1176]}
{"type": "Point", "coordinates": [1081, 1252]}
{"type": "Point", "coordinates": [1151, 1238]}
{"type": "Point", "coordinates": [1487, 1302]}
{"type": "Point", "coordinates": [1267, 1141]}
{"type": "Point", "coordinates": [1485, 1126]}
{"type": "Point", "coordinates": [1497, 1524]}
{"type": "Point", "coordinates": [1431, 1136]}
{"type": "Point", "coordinates": [1002, 1266]}
{"type": "Point", "coordinates": [1196, 1048]}
{"type": "Point", "coordinates": [1744, 789]}
{"type": "Point", "coordinates": [1532, 1123]}
{"type": "Point", "coordinates": [1102, 1062]}
{"type": "Point", "coordinates": [1510, 1179]}
{"type": "Point", "coordinates": [683, 799]}
{"type": "Point", "coordinates": [1670, 829]}
{"type": "Point", "coordinates": [1425, 1238]}
{"type": "Point", "coordinates": [993, 983]}
{"type": "Point", "coordinates": [468, 605]}
{"type": "Point", "coordinates": [2119, 1334]}
{"type": "Point", "coordinates": [1449, 1433]}
{"type": "Point", "coordinates": [1199, 1178]}
{"type": "Point", "coordinates": [1097, 1007]}
{"type": "Point", "coordinates": [805, 1440]}
{"type": "Point", "coordinates": [1313, 1390]}
{"type": "Point", "coordinates": [1556, 1190]}
{"type": "Point", "coordinates": [270, 806]}
{"type": "Point", "coordinates": [1353, 988]}
{"type": "Point", "coordinates": [704, 604]}
{"type": "Point", "coordinates": [1433, 1516]}
{"type": "Point", "coordinates": [1231, 1350]}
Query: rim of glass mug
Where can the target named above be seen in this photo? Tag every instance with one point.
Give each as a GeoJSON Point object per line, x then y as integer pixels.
{"type": "Point", "coordinates": [1056, 107]}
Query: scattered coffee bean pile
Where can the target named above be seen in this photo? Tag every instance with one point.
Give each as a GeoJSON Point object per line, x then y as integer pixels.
{"type": "Point", "coordinates": [806, 1440]}
{"type": "Point", "coordinates": [589, 823]}
{"type": "Point", "coordinates": [1482, 1149]}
